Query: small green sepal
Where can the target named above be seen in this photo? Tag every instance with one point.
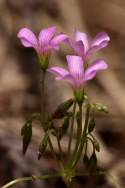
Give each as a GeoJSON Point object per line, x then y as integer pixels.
{"type": "Point", "coordinates": [44, 61]}
{"type": "Point", "coordinates": [79, 96]}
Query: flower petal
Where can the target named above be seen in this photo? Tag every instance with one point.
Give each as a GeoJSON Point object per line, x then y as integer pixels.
{"type": "Point", "coordinates": [62, 74]}
{"type": "Point", "coordinates": [58, 39]}
{"type": "Point", "coordinates": [68, 78]}
{"type": "Point", "coordinates": [27, 38]}
{"type": "Point", "coordinates": [78, 47]}
{"type": "Point", "coordinates": [58, 71]}
{"type": "Point", "coordinates": [95, 48]}
{"type": "Point", "coordinates": [100, 37]}
{"type": "Point", "coordinates": [46, 35]}
{"type": "Point", "coordinates": [75, 65]}
{"type": "Point", "coordinates": [79, 36]}
{"type": "Point", "coordinates": [94, 67]}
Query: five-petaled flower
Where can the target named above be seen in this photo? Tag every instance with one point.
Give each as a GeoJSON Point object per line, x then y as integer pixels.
{"type": "Point", "coordinates": [85, 47]}
{"type": "Point", "coordinates": [77, 75]}
{"type": "Point", "coordinates": [46, 41]}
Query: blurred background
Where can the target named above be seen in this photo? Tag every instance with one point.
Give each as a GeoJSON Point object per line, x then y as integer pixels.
{"type": "Point", "coordinates": [20, 90]}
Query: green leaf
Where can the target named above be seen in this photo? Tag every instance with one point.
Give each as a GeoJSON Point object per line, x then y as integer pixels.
{"type": "Point", "coordinates": [26, 133]}
{"type": "Point", "coordinates": [96, 145]}
{"type": "Point", "coordinates": [62, 130]}
{"type": "Point", "coordinates": [62, 109]}
{"type": "Point", "coordinates": [91, 125]}
{"type": "Point", "coordinates": [93, 160]}
{"type": "Point", "coordinates": [43, 144]}
{"type": "Point", "coordinates": [86, 161]}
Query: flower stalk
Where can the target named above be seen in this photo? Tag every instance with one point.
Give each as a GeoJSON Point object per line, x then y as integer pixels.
{"type": "Point", "coordinates": [83, 136]}
{"type": "Point", "coordinates": [71, 130]}
{"type": "Point", "coordinates": [43, 74]}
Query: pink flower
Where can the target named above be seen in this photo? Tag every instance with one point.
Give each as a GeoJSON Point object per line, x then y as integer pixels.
{"type": "Point", "coordinates": [85, 47]}
{"type": "Point", "coordinates": [46, 41]}
{"type": "Point", "coordinates": [76, 75]}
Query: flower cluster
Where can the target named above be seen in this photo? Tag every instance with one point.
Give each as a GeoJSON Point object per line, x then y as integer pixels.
{"type": "Point", "coordinates": [79, 70]}
{"type": "Point", "coordinates": [78, 73]}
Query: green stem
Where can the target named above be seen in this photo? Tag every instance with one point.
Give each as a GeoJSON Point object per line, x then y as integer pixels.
{"type": "Point", "coordinates": [86, 147]}
{"type": "Point", "coordinates": [52, 150]}
{"type": "Point", "coordinates": [30, 178]}
{"type": "Point", "coordinates": [82, 141]}
{"type": "Point", "coordinates": [60, 150]}
{"type": "Point", "coordinates": [43, 98]}
{"type": "Point", "coordinates": [43, 74]}
{"type": "Point", "coordinates": [71, 131]}
{"type": "Point", "coordinates": [78, 137]}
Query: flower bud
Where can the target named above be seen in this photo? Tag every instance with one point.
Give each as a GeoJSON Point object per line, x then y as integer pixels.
{"type": "Point", "coordinates": [101, 108]}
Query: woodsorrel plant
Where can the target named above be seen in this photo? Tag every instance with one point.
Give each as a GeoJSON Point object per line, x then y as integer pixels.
{"type": "Point", "coordinates": [77, 111]}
